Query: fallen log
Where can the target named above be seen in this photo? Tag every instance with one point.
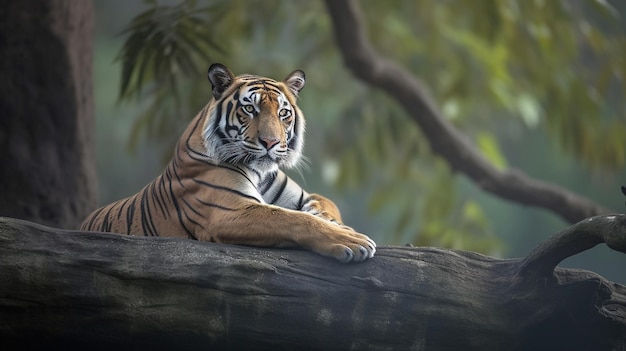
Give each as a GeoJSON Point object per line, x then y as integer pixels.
{"type": "Point", "coordinates": [69, 289]}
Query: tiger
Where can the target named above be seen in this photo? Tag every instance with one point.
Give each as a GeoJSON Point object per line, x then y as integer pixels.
{"type": "Point", "coordinates": [225, 182]}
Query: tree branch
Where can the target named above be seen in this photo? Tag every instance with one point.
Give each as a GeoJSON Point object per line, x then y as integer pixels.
{"type": "Point", "coordinates": [366, 64]}
{"type": "Point", "coordinates": [608, 229]}
{"type": "Point", "coordinates": [100, 291]}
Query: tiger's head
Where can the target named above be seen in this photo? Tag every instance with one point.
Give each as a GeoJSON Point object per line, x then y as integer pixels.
{"type": "Point", "coordinates": [254, 121]}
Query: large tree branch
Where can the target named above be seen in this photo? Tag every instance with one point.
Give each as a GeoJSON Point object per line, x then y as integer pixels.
{"type": "Point", "coordinates": [444, 139]}
{"type": "Point", "coordinates": [83, 290]}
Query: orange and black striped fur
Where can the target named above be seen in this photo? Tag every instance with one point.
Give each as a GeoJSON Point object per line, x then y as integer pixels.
{"type": "Point", "coordinates": [224, 184]}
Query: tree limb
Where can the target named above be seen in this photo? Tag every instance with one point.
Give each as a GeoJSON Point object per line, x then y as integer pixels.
{"type": "Point", "coordinates": [572, 240]}
{"type": "Point", "coordinates": [100, 291]}
{"type": "Point", "coordinates": [366, 64]}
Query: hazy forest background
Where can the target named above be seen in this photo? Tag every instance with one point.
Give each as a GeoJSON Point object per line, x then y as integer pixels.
{"type": "Point", "coordinates": [531, 83]}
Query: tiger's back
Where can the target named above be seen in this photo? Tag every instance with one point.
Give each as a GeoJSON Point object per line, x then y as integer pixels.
{"type": "Point", "coordinates": [224, 182]}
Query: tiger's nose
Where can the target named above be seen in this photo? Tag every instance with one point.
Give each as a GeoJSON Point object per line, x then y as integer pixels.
{"type": "Point", "coordinates": [268, 143]}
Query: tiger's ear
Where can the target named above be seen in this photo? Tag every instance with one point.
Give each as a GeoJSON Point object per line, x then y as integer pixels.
{"type": "Point", "coordinates": [295, 81]}
{"type": "Point", "coordinates": [221, 78]}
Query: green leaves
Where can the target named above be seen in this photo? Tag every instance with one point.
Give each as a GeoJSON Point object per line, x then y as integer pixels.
{"type": "Point", "coordinates": [553, 64]}
{"type": "Point", "coordinates": [490, 149]}
{"type": "Point", "coordinates": [165, 42]}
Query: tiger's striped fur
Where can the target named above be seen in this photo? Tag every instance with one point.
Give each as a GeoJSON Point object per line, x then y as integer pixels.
{"type": "Point", "coordinates": [224, 184]}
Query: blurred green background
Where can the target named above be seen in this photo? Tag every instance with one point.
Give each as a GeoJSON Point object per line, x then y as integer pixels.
{"type": "Point", "coordinates": [536, 85]}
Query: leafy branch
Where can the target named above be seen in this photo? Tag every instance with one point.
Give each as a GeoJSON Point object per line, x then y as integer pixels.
{"type": "Point", "coordinates": [367, 64]}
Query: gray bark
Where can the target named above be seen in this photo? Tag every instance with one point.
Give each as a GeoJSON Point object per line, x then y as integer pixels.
{"type": "Point", "coordinates": [102, 291]}
{"type": "Point", "coordinates": [46, 111]}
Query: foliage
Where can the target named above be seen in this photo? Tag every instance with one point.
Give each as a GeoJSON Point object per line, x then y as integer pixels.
{"type": "Point", "coordinates": [553, 65]}
{"type": "Point", "coordinates": [163, 52]}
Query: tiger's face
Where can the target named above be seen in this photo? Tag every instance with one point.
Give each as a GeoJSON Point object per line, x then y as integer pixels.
{"type": "Point", "coordinates": [254, 120]}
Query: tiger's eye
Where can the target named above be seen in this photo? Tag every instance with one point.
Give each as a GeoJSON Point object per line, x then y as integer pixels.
{"type": "Point", "coordinates": [284, 113]}
{"type": "Point", "coordinates": [249, 108]}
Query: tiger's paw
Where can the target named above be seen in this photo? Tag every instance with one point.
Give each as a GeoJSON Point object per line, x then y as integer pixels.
{"type": "Point", "coordinates": [355, 248]}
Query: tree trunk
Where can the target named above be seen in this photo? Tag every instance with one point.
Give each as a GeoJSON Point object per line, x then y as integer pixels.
{"type": "Point", "coordinates": [46, 111]}
{"type": "Point", "coordinates": [70, 289]}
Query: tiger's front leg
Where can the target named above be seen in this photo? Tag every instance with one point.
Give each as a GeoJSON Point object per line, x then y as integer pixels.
{"type": "Point", "coordinates": [271, 226]}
